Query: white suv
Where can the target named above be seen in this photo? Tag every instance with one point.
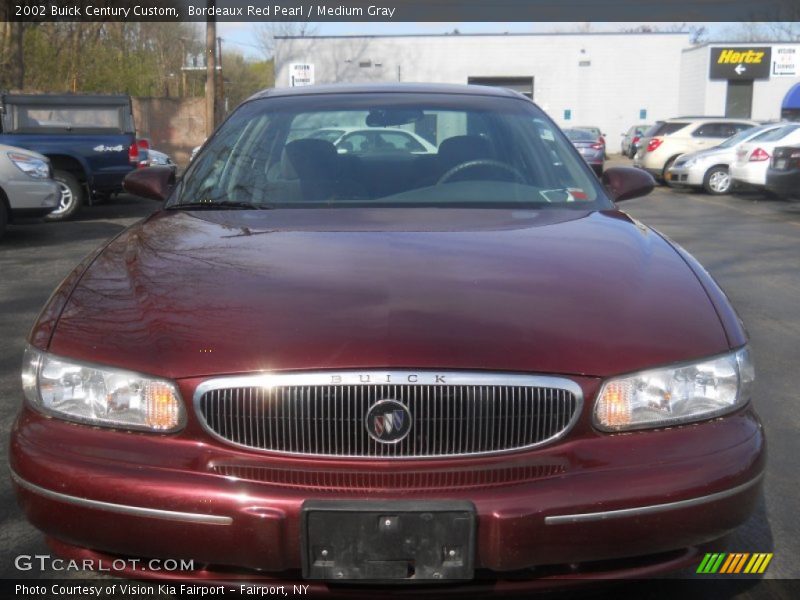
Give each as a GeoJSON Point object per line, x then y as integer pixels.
{"type": "Point", "coordinates": [679, 136]}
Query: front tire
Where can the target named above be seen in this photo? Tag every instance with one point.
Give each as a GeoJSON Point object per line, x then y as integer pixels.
{"type": "Point", "coordinates": [71, 196]}
{"type": "Point", "coordinates": [717, 181]}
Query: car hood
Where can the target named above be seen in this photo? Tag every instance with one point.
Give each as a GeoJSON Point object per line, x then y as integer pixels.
{"type": "Point", "coordinates": [551, 291]}
{"type": "Point", "coordinates": [711, 153]}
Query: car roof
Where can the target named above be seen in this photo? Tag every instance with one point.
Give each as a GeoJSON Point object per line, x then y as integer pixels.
{"type": "Point", "coordinates": [700, 119]}
{"type": "Point", "coordinates": [67, 99]}
{"type": "Point", "coordinates": [389, 88]}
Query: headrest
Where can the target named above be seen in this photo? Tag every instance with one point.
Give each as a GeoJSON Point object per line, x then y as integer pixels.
{"type": "Point", "coordinates": [309, 159]}
{"type": "Point", "coordinates": [462, 148]}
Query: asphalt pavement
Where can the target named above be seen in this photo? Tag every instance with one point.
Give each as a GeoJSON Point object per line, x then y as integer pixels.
{"type": "Point", "coordinates": [749, 243]}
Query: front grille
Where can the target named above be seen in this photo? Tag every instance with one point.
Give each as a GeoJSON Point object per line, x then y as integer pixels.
{"type": "Point", "coordinates": [325, 414]}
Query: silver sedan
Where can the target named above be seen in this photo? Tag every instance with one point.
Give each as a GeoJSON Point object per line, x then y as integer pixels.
{"type": "Point", "coordinates": [708, 169]}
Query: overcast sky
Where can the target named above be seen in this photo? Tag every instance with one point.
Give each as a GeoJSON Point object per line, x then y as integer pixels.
{"type": "Point", "coordinates": [243, 36]}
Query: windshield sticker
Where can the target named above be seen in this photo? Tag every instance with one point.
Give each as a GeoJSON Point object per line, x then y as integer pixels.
{"type": "Point", "coordinates": [577, 194]}
{"type": "Point", "coordinates": [564, 195]}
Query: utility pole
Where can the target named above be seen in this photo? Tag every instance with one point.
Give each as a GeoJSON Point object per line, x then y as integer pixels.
{"type": "Point", "coordinates": [184, 64]}
{"type": "Point", "coordinates": [221, 103]}
{"type": "Point", "coordinates": [211, 67]}
{"type": "Point", "coordinates": [17, 55]}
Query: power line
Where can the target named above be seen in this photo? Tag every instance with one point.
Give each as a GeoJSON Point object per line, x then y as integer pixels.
{"type": "Point", "coordinates": [235, 43]}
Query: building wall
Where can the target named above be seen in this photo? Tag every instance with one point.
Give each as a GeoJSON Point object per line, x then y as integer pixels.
{"type": "Point", "coordinates": [767, 93]}
{"type": "Point", "coordinates": [628, 72]}
{"type": "Point", "coordinates": [173, 125]}
{"type": "Point", "coordinates": [694, 75]}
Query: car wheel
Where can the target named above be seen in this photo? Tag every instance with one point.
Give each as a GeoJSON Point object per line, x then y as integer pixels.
{"type": "Point", "coordinates": [717, 181]}
{"type": "Point", "coordinates": [71, 196]}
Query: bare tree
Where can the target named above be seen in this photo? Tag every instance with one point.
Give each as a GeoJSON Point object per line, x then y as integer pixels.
{"type": "Point", "coordinates": [755, 31]}
{"type": "Point", "coordinates": [267, 32]}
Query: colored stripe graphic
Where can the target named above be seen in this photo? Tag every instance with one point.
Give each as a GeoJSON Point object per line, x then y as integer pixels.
{"type": "Point", "coordinates": [733, 563]}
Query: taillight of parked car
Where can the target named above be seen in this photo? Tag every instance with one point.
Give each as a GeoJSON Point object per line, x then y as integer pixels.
{"type": "Point", "coordinates": [133, 153]}
{"type": "Point", "coordinates": [636, 140]}
{"type": "Point", "coordinates": [137, 153]}
{"type": "Point", "coordinates": [758, 155]}
{"type": "Point", "coordinates": [654, 144]}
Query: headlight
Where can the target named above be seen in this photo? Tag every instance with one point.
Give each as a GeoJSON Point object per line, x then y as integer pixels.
{"type": "Point", "coordinates": [689, 163]}
{"type": "Point", "coordinates": [30, 165]}
{"type": "Point", "coordinates": [100, 396]}
{"type": "Point", "coordinates": [681, 394]}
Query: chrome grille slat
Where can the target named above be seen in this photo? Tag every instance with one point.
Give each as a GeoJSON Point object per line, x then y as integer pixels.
{"type": "Point", "coordinates": [319, 415]}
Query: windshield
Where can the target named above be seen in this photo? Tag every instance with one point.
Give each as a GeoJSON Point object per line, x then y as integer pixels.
{"type": "Point", "coordinates": [480, 151]}
{"type": "Point", "coordinates": [741, 137]}
{"type": "Point", "coordinates": [665, 128]}
{"type": "Point", "coordinates": [777, 134]}
{"type": "Point", "coordinates": [580, 135]}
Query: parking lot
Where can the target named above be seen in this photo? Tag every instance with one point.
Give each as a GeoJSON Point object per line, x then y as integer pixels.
{"type": "Point", "coordinates": [750, 244]}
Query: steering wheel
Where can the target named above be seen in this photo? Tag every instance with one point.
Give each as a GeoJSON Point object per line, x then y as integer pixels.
{"type": "Point", "coordinates": [480, 162]}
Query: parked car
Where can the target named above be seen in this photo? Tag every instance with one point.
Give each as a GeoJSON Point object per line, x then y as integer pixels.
{"type": "Point", "coordinates": [89, 139]}
{"type": "Point", "coordinates": [708, 169]}
{"type": "Point", "coordinates": [598, 134]}
{"type": "Point", "coordinates": [631, 138]}
{"type": "Point", "coordinates": [681, 136]}
{"type": "Point", "coordinates": [27, 188]}
{"type": "Point", "coordinates": [389, 369]}
{"type": "Point", "coordinates": [156, 158]}
{"type": "Point", "coordinates": [374, 139]}
{"type": "Point", "coordinates": [592, 151]}
{"type": "Point", "coordinates": [749, 170]}
{"type": "Point", "coordinates": [783, 174]}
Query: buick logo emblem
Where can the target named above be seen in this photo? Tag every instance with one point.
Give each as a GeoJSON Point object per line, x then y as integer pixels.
{"type": "Point", "coordinates": [388, 421]}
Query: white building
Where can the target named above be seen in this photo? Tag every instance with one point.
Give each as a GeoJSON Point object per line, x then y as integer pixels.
{"type": "Point", "coordinates": [608, 80]}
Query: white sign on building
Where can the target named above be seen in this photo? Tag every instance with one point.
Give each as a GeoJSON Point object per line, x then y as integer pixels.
{"type": "Point", "coordinates": [301, 74]}
{"type": "Point", "coordinates": [785, 61]}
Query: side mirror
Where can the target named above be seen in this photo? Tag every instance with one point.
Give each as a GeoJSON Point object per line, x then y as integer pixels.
{"type": "Point", "coordinates": [153, 183]}
{"type": "Point", "coordinates": [624, 183]}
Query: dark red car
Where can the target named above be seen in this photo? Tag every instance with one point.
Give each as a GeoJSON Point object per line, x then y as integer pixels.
{"type": "Point", "coordinates": [464, 368]}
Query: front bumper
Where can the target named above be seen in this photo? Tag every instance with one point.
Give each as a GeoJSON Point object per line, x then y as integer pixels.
{"type": "Point", "coordinates": [29, 196]}
{"type": "Point", "coordinates": [592, 497]}
{"type": "Point", "coordinates": [691, 177]}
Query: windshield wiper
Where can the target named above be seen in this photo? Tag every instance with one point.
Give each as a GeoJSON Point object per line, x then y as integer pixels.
{"type": "Point", "coordinates": [219, 206]}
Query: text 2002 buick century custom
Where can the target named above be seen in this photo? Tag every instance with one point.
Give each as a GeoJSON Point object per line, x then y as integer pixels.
{"type": "Point", "coordinates": [464, 367]}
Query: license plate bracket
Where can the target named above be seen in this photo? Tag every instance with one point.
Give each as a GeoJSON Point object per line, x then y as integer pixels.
{"type": "Point", "coordinates": [391, 541]}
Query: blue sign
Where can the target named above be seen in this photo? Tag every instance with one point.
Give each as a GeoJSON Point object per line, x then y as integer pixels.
{"type": "Point", "coordinates": [567, 114]}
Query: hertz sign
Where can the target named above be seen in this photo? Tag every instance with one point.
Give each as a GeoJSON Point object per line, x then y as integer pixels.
{"type": "Point", "coordinates": [740, 63]}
